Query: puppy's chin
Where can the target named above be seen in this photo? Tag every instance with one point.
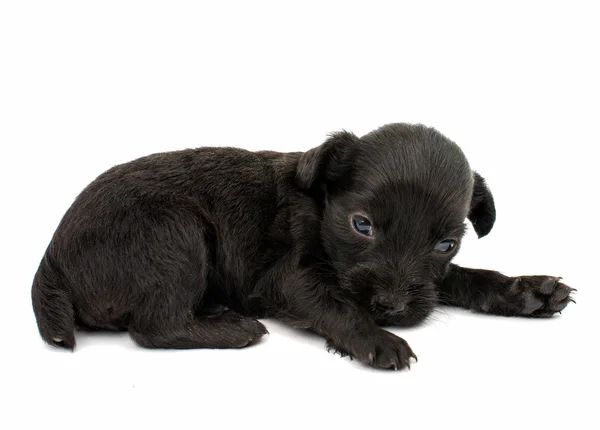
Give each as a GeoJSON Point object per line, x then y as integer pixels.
{"type": "Point", "coordinates": [413, 316]}
{"type": "Point", "coordinates": [403, 320]}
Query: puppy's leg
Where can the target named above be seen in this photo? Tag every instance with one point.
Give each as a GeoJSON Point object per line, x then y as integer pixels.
{"type": "Point", "coordinates": [228, 330]}
{"type": "Point", "coordinates": [348, 329]}
{"type": "Point", "coordinates": [163, 291]}
{"type": "Point", "coordinates": [492, 292]}
{"type": "Point", "coordinates": [172, 314]}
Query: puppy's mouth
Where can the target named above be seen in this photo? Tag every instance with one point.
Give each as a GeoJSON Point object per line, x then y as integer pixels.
{"type": "Point", "coordinates": [389, 301]}
{"type": "Point", "coordinates": [413, 309]}
{"type": "Point", "coordinates": [407, 318]}
{"type": "Point", "coordinates": [389, 311]}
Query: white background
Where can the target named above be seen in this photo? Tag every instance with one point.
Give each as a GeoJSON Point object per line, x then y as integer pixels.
{"type": "Point", "coordinates": [86, 85]}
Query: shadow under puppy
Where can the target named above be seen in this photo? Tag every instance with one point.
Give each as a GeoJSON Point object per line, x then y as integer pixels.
{"type": "Point", "coordinates": [185, 249]}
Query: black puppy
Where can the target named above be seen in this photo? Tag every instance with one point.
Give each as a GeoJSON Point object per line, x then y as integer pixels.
{"type": "Point", "coordinates": [185, 249]}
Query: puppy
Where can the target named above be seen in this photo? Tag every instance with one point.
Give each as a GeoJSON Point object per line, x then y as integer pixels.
{"type": "Point", "coordinates": [186, 249]}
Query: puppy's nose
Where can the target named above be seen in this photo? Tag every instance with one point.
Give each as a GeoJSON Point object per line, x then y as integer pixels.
{"type": "Point", "coordinates": [398, 308]}
{"type": "Point", "coordinates": [391, 305]}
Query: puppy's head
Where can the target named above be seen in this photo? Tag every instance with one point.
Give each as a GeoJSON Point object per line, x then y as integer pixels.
{"type": "Point", "coordinates": [394, 205]}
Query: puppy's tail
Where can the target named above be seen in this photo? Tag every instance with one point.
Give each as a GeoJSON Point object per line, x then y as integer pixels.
{"type": "Point", "coordinates": [52, 306]}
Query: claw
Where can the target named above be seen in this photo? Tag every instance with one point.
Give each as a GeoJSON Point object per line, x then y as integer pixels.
{"type": "Point", "coordinates": [561, 294]}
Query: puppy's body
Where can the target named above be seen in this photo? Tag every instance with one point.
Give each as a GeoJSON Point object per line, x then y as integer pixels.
{"type": "Point", "coordinates": [184, 249]}
{"type": "Point", "coordinates": [171, 233]}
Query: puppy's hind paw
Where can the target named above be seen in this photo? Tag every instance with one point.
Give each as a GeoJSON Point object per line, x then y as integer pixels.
{"type": "Point", "coordinates": [251, 332]}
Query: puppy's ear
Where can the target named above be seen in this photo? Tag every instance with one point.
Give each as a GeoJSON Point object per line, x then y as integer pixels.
{"type": "Point", "coordinates": [483, 211]}
{"type": "Point", "coordinates": [327, 162]}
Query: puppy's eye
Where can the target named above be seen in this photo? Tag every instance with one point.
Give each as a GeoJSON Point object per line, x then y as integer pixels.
{"type": "Point", "coordinates": [362, 225]}
{"type": "Point", "coordinates": [446, 246]}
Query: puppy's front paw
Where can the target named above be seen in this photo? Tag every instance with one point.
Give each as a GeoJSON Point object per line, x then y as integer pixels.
{"type": "Point", "coordinates": [544, 295]}
{"type": "Point", "coordinates": [381, 350]}
{"type": "Point", "coordinates": [534, 296]}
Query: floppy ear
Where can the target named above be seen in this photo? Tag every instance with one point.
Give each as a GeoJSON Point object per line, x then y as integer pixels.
{"type": "Point", "coordinates": [327, 162]}
{"type": "Point", "coordinates": [483, 211]}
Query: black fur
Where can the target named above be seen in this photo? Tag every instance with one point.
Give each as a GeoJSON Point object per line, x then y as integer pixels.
{"type": "Point", "coordinates": [186, 249]}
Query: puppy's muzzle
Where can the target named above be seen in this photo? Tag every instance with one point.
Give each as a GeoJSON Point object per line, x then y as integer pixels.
{"type": "Point", "coordinates": [391, 304]}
